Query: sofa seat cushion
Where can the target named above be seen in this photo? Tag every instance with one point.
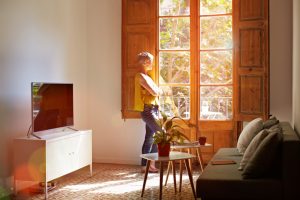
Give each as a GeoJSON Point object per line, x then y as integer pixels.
{"type": "Point", "coordinates": [226, 181]}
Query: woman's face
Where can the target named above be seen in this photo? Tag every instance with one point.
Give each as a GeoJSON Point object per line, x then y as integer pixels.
{"type": "Point", "coordinates": [147, 64]}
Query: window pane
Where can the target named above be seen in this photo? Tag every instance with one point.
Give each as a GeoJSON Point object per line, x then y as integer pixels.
{"type": "Point", "coordinates": [212, 7]}
{"type": "Point", "coordinates": [216, 103]}
{"type": "Point", "coordinates": [216, 32]}
{"type": "Point", "coordinates": [174, 67]}
{"type": "Point", "coordinates": [174, 33]}
{"type": "Point", "coordinates": [174, 7]}
{"type": "Point", "coordinates": [216, 67]}
{"type": "Point", "coordinates": [175, 101]}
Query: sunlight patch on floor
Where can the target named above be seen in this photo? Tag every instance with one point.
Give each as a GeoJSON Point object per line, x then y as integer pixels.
{"type": "Point", "coordinates": [121, 186]}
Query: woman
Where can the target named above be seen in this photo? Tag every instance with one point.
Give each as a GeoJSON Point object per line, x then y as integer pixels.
{"type": "Point", "coordinates": [146, 102]}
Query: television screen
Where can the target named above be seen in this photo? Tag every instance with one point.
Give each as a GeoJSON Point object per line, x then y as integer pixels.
{"type": "Point", "coordinates": [52, 105]}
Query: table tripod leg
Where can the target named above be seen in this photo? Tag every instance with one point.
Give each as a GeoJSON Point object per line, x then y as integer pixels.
{"type": "Point", "coordinates": [190, 176]}
{"type": "Point", "coordinates": [190, 160]}
{"type": "Point", "coordinates": [146, 176]}
{"type": "Point", "coordinates": [174, 175]}
{"type": "Point", "coordinates": [161, 175]}
{"type": "Point", "coordinates": [200, 159]}
{"type": "Point", "coordinates": [168, 172]}
{"type": "Point", "coordinates": [180, 176]}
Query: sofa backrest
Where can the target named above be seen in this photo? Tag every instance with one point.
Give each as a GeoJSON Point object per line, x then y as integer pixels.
{"type": "Point", "coordinates": [290, 162]}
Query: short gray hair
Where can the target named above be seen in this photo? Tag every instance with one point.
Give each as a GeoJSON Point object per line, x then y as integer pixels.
{"type": "Point", "coordinates": [144, 55]}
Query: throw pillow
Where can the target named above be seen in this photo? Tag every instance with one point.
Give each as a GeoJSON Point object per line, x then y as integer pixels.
{"type": "Point", "coordinates": [252, 147]}
{"type": "Point", "coordinates": [263, 158]}
{"type": "Point", "coordinates": [270, 122]}
{"type": "Point", "coordinates": [276, 127]}
{"type": "Point", "coordinates": [248, 133]}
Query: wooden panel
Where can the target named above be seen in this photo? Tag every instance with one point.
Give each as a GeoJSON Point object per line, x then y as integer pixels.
{"type": "Point", "coordinates": [222, 139]}
{"type": "Point", "coordinates": [251, 59]}
{"type": "Point", "coordinates": [251, 94]}
{"type": "Point", "coordinates": [138, 12]}
{"type": "Point", "coordinates": [251, 9]}
{"type": "Point", "coordinates": [136, 43]}
{"type": "Point", "coordinates": [130, 90]}
{"type": "Point", "coordinates": [215, 125]}
{"type": "Point", "coordinates": [251, 48]}
{"type": "Point", "coordinates": [138, 34]}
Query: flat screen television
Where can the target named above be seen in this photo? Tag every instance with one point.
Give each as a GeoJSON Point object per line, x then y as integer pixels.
{"type": "Point", "coordinates": [52, 105]}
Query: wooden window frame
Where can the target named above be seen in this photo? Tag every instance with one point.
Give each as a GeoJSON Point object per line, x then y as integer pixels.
{"type": "Point", "coordinates": [141, 16]}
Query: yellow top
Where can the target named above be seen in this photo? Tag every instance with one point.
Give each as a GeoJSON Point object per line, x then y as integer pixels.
{"type": "Point", "coordinates": [141, 95]}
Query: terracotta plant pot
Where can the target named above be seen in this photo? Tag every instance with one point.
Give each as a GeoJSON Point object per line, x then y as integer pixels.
{"type": "Point", "coordinates": [163, 149]}
{"type": "Point", "coordinates": [202, 140]}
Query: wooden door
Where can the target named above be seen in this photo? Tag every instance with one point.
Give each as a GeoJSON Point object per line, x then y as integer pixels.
{"type": "Point", "coordinates": [251, 59]}
{"type": "Point", "coordinates": [138, 34]}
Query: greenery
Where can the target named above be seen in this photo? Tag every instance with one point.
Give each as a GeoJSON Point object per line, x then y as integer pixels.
{"type": "Point", "coordinates": [170, 131]}
{"type": "Point", "coordinates": [215, 64]}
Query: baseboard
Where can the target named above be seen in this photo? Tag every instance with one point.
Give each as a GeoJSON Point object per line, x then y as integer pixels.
{"type": "Point", "coordinates": [116, 160]}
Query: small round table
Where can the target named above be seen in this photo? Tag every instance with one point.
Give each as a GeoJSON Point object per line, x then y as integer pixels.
{"type": "Point", "coordinates": [189, 147]}
{"type": "Point", "coordinates": [171, 158]}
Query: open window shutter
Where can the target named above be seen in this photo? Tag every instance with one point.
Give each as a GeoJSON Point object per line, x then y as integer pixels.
{"type": "Point", "coordinates": [251, 59]}
{"type": "Point", "coordinates": [138, 34]}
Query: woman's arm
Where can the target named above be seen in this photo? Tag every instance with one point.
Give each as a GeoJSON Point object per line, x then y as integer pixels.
{"type": "Point", "coordinates": [147, 83]}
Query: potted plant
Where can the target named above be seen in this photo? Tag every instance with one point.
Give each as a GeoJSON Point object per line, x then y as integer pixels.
{"type": "Point", "coordinates": [170, 133]}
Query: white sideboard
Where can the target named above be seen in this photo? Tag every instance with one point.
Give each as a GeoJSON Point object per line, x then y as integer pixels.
{"type": "Point", "coordinates": [52, 156]}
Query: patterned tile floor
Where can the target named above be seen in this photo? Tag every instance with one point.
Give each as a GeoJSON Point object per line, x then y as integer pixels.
{"type": "Point", "coordinates": [113, 181]}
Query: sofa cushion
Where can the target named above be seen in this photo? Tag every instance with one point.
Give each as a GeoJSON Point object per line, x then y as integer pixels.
{"type": "Point", "coordinates": [252, 148]}
{"type": "Point", "coordinates": [270, 122]}
{"type": "Point", "coordinates": [248, 133]}
{"type": "Point", "coordinates": [264, 156]}
{"type": "Point", "coordinates": [226, 182]}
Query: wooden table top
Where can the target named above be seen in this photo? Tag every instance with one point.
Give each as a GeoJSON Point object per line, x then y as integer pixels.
{"type": "Point", "coordinates": [192, 145]}
{"type": "Point", "coordinates": [173, 156]}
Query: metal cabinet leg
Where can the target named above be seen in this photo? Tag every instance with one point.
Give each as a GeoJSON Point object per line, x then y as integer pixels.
{"type": "Point", "coordinates": [91, 169]}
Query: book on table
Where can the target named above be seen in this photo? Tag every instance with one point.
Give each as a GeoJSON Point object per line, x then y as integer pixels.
{"type": "Point", "coordinates": [223, 162]}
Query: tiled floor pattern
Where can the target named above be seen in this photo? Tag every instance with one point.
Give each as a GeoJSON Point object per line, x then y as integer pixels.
{"type": "Point", "coordinates": [112, 182]}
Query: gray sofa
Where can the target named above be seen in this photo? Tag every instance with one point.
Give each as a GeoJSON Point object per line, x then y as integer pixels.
{"type": "Point", "coordinates": [226, 181]}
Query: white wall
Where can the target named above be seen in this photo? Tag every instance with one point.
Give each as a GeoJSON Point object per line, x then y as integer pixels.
{"type": "Point", "coordinates": [281, 59]}
{"type": "Point", "coordinates": [80, 41]}
{"type": "Point", "coordinates": [296, 65]}
{"type": "Point", "coordinates": [39, 41]}
{"type": "Point", "coordinates": [114, 140]}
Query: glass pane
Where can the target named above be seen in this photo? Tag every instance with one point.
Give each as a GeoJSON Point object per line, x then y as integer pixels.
{"type": "Point", "coordinates": [212, 7]}
{"type": "Point", "coordinates": [216, 67]}
{"type": "Point", "coordinates": [216, 103]}
{"type": "Point", "coordinates": [174, 67]}
{"type": "Point", "coordinates": [174, 7]}
{"type": "Point", "coordinates": [174, 33]}
{"type": "Point", "coordinates": [216, 32]}
{"type": "Point", "coordinates": [175, 101]}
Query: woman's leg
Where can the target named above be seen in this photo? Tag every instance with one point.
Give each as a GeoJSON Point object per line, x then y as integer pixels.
{"type": "Point", "coordinates": [149, 116]}
{"type": "Point", "coordinates": [148, 144]}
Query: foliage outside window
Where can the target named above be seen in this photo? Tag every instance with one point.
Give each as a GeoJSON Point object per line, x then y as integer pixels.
{"type": "Point", "coordinates": [215, 55]}
{"type": "Point", "coordinates": [174, 56]}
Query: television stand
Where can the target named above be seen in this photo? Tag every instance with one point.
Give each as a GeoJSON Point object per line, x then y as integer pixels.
{"type": "Point", "coordinates": [70, 128]}
{"type": "Point", "coordinates": [34, 135]}
{"type": "Point", "coordinates": [54, 155]}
